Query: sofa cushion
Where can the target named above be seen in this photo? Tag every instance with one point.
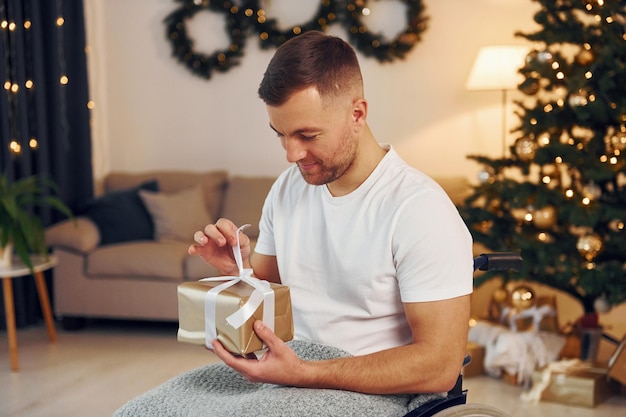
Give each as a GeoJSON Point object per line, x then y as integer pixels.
{"type": "Point", "coordinates": [121, 215]}
{"type": "Point", "coordinates": [244, 201]}
{"type": "Point", "coordinates": [177, 215]}
{"type": "Point", "coordinates": [213, 183]}
{"type": "Point", "coordinates": [143, 259]}
{"type": "Point", "coordinates": [79, 234]}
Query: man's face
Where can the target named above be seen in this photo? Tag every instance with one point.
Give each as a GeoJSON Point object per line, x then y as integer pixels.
{"type": "Point", "coordinates": [319, 136]}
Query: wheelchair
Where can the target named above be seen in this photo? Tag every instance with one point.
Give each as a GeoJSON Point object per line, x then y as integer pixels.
{"type": "Point", "coordinates": [455, 403]}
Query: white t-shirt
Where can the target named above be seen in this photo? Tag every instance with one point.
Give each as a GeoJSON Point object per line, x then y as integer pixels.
{"type": "Point", "coordinates": [351, 261]}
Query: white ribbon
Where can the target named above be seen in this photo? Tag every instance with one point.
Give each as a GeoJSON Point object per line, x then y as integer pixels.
{"type": "Point", "coordinates": [537, 314]}
{"type": "Point", "coordinates": [262, 294]}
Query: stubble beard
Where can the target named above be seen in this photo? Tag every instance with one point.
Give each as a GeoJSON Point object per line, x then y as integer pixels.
{"type": "Point", "coordinates": [340, 163]}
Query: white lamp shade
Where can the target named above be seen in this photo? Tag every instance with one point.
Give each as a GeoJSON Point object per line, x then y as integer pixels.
{"type": "Point", "coordinates": [495, 68]}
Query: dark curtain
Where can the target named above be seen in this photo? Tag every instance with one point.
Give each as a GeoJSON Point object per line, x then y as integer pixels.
{"type": "Point", "coordinates": [44, 114]}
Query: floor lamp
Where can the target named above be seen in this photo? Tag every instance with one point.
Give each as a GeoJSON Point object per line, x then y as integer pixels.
{"type": "Point", "coordinates": [495, 68]}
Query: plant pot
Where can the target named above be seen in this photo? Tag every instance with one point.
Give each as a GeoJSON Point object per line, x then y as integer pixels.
{"type": "Point", "coordinates": [6, 256]}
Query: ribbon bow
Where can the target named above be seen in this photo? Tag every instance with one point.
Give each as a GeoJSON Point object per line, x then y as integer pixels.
{"type": "Point", "coordinates": [262, 294]}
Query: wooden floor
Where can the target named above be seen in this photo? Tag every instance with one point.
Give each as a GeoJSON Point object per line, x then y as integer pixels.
{"type": "Point", "coordinates": [94, 371]}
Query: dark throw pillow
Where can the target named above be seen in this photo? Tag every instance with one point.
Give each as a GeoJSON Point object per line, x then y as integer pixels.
{"type": "Point", "coordinates": [121, 215]}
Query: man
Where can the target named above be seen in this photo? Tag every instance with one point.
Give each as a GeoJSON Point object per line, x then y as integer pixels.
{"type": "Point", "coordinates": [377, 258]}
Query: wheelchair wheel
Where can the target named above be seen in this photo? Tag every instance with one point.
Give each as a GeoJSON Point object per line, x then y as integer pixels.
{"type": "Point", "coordinates": [471, 410]}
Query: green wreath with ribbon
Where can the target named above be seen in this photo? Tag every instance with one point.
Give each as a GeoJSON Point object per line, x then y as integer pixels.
{"type": "Point", "coordinates": [270, 36]}
{"type": "Point", "coordinates": [373, 44]}
{"type": "Point", "coordinates": [249, 15]}
{"type": "Point", "coordinates": [221, 60]}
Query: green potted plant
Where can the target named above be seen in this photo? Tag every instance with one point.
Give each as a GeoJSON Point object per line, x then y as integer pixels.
{"type": "Point", "coordinates": [21, 231]}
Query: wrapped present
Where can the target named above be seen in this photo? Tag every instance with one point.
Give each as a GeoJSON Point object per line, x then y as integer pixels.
{"type": "Point", "coordinates": [475, 367]}
{"type": "Point", "coordinates": [571, 382]}
{"type": "Point", "coordinates": [225, 308]}
{"type": "Point", "coordinates": [540, 317]}
{"type": "Point", "coordinates": [617, 363]}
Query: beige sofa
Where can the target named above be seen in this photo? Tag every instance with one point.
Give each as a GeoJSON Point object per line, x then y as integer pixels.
{"type": "Point", "coordinates": [138, 279]}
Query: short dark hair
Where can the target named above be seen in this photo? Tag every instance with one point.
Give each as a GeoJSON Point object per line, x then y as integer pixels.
{"type": "Point", "coordinates": [312, 59]}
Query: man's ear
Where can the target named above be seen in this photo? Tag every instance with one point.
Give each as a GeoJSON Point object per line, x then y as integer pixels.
{"type": "Point", "coordinates": [359, 112]}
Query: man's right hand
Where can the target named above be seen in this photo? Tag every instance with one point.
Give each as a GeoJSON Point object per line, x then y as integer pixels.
{"type": "Point", "coordinates": [214, 245]}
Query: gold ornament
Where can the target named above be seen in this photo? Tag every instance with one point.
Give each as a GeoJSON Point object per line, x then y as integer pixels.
{"type": "Point", "coordinates": [545, 217]}
{"type": "Point", "coordinates": [544, 56]}
{"type": "Point", "coordinates": [545, 237]}
{"type": "Point", "coordinates": [525, 149]}
{"type": "Point", "coordinates": [500, 295]}
{"type": "Point", "coordinates": [615, 139]}
{"type": "Point", "coordinates": [484, 226]}
{"type": "Point", "coordinates": [582, 133]}
{"type": "Point", "coordinates": [589, 245]}
{"type": "Point", "coordinates": [529, 86]}
{"type": "Point", "coordinates": [585, 57]}
{"type": "Point", "coordinates": [531, 56]}
{"type": "Point", "coordinates": [522, 214]}
{"type": "Point", "coordinates": [486, 176]}
{"type": "Point", "coordinates": [616, 225]}
{"type": "Point", "coordinates": [592, 191]}
{"type": "Point", "coordinates": [522, 298]}
{"type": "Point", "coordinates": [579, 99]}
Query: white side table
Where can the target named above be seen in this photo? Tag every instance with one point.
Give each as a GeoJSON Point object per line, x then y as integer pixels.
{"type": "Point", "coordinates": [19, 269]}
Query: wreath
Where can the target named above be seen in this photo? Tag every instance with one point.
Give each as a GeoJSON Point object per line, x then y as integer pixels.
{"type": "Point", "coordinates": [271, 36]}
{"type": "Point", "coordinates": [222, 60]}
{"type": "Point", "coordinates": [240, 19]}
{"type": "Point", "coordinates": [372, 44]}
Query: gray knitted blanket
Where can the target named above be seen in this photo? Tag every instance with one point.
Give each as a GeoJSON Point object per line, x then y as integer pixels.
{"type": "Point", "coordinates": [217, 391]}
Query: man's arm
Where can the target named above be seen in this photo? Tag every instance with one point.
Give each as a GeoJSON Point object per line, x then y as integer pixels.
{"type": "Point", "coordinates": [431, 363]}
{"type": "Point", "coordinates": [265, 267]}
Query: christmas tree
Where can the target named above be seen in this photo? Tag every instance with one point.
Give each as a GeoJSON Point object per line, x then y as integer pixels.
{"type": "Point", "coordinates": [559, 194]}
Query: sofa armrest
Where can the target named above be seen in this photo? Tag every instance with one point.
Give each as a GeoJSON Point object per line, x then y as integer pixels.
{"type": "Point", "coordinates": [79, 235]}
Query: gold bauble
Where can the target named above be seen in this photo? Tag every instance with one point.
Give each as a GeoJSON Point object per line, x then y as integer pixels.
{"type": "Point", "coordinates": [522, 297]}
{"type": "Point", "coordinates": [592, 191]}
{"type": "Point", "coordinates": [500, 295]}
{"type": "Point", "coordinates": [525, 149]}
{"type": "Point", "coordinates": [589, 245]}
{"type": "Point", "coordinates": [529, 86]}
{"type": "Point", "coordinates": [545, 218]}
{"type": "Point", "coordinates": [484, 226]}
{"type": "Point", "coordinates": [579, 98]}
{"type": "Point", "coordinates": [616, 225]}
{"type": "Point", "coordinates": [486, 176]}
{"type": "Point", "coordinates": [585, 57]}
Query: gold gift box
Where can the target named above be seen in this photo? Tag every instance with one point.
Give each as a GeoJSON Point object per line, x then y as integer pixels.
{"type": "Point", "coordinates": [241, 341]}
{"type": "Point", "coordinates": [585, 385]}
{"type": "Point", "coordinates": [548, 323]}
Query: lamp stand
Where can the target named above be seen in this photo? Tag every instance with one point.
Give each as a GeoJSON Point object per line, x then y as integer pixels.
{"type": "Point", "coordinates": [504, 122]}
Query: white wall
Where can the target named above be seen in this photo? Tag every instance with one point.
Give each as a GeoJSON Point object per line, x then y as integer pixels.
{"type": "Point", "coordinates": [151, 112]}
